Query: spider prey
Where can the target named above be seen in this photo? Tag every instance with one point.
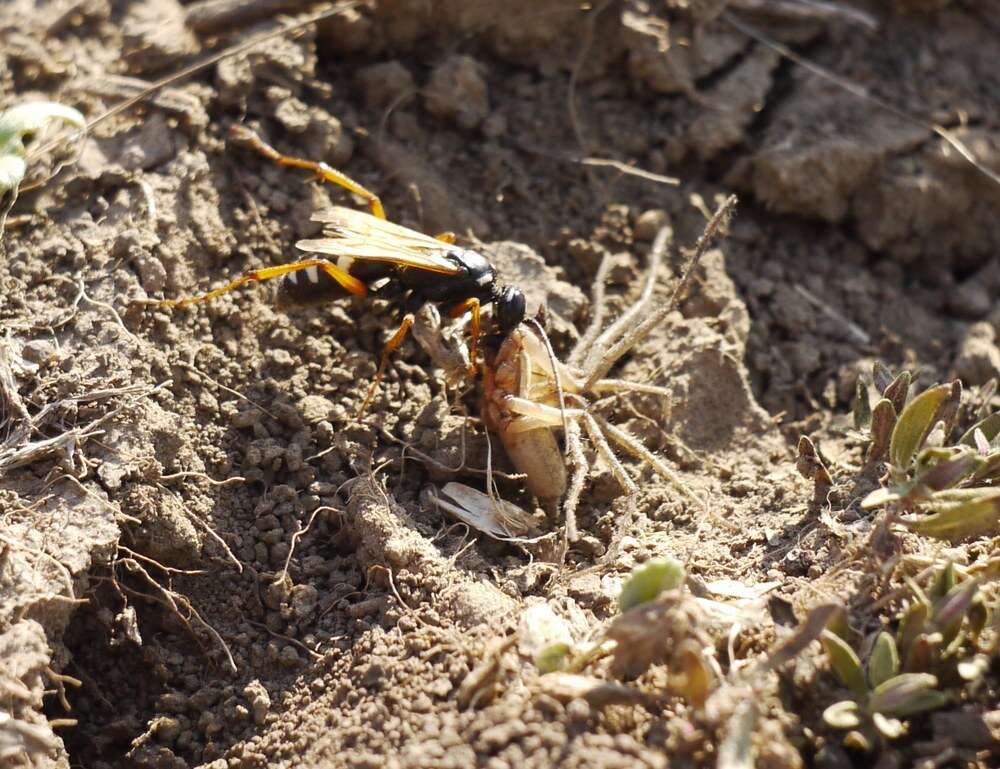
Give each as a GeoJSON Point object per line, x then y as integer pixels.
{"type": "Point", "coordinates": [528, 394]}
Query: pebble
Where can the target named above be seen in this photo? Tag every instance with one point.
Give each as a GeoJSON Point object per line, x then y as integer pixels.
{"type": "Point", "coordinates": [457, 92]}
{"type": "Point", "coordinates": [978, 357]}
{"type": "Point", "coordinates": [649, 223]}
{"type": "Point", "coordinates": [39, 351]}
{"type": "Point", "coordinates": [385, 84]}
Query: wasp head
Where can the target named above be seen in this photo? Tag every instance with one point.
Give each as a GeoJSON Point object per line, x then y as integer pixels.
{"type": "Point", "coordinates": [510, 307]}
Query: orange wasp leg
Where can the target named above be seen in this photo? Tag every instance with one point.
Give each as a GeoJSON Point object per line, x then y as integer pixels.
{"type": "Point", "coordinates": [390, 347]}
{"type": "Point", "coordinates": [349, 282]}
{"type": "Point", "coordinates": [469, 305]}
{"type": "Point", "coordinates": [322, 170]}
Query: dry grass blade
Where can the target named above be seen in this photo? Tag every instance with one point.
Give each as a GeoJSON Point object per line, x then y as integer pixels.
{"type": "Point", "coordinates": [18, 453]}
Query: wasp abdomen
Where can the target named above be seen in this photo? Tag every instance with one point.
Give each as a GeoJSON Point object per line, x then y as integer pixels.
{"type": "Point", "coordinates": [308, 286]}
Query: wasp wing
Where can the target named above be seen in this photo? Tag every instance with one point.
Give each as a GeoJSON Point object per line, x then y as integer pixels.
{"type": "Point", "coordinates": [357, 235]}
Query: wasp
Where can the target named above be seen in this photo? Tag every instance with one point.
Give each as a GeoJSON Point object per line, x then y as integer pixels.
{"type": "Point", "coordinates": [364, 254]}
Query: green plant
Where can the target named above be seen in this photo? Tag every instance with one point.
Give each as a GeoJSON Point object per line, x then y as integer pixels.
{"type": "Point", "coordinates": [938, 487]}
{"type": "Point", "coordinates": [20, 127]}
{"type": "Point", "coordinates": [932, 647]}
{"type": "Point", "coordinates": [658, 622]}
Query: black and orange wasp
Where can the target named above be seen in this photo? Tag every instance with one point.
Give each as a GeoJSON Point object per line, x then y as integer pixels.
{"type": "Point", "coordinates": [364, 254]}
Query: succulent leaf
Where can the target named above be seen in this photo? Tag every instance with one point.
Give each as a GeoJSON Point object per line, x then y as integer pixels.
{"type": "Point", "coordinates": [958, 514]}
{"type": "Point", "coordinates": [883, 663]}
{"type": "Point", "coordinates": [898, 389]}
{"type": "Point", "coordinates": [914, 423]}
{"type": "Point", "coordinates": [862, 405]}
{"type": "Point", "coordinates": [881, 376]}
{"type": "Point", "coordinates": [649, 580]}
{"type": "Point", "coordinates": [990, 428]}
{"type": "Point", "coordinates": [553, 658]}
{"type": "Point", "coordinates": [907, 695]}
{"type": "Point", "coordinates": [845, 664]}
{"type": "Point", "coordinates": [882, 423]}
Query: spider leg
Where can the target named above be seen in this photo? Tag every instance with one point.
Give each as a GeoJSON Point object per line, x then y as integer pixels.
{"type": "Point", "coordinates": [597, 309]}
{"type": "Point", "coordinates": [595, 358]}
{"type": "Point", "coordinates": [574, 444]}
{"type": "Point", "coordinates": [601, 444]}
{"type": "Point", "coordinates": [632, 445]}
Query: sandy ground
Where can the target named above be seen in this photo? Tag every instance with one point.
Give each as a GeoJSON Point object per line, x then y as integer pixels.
{"type": "Point", "coordinates": [222, 567]}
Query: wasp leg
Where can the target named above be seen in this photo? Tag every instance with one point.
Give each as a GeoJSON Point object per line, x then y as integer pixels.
{"type": "Point", "coordinates": [390, 347]}
{"type": "Point", "coordinates": [469, 305]}
{"type": "Point", "coordinates": [447, 236]}
{"type": "Point", "coordinates": [322, 170]}
{"type": "Point", "coordinates": [349, 282]}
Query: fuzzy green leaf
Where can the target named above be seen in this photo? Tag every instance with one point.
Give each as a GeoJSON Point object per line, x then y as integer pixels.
{"type": "Point", "coordinates": [959, 514]}
{"type": "Point", "coordinates": [988, 471]}
{"type": "Point", "coordinates": [862, 405]}
{"type": "Point", "coordinates": [649, 580]}
{"type": "Point", "coordinates": [898, 389]}
{"type": "Point", "coordinates": [951, 610]}
{"type": "Point", "coordinates": [845, 664]}
{"type": "Point", "coordinates": [912, 624]}
{"type": "Point", "coordinates": [944, 581]}
{"type": "Point", "coordinates": [553, 658]}
{"type": "Point", "coordinates": [884, 661]}
{"type": "Point", "coordinates": [990, 427]}
{"type": "Point", "coordinates": [924, 653]}
{"type": "Point", "coordinates": [914, 423]}
{"type": "Point", "coordinates": [881, 376]}
{"type": "Point", "coordinates": [882, 423]}
{"type": "Point", "coordinates": [907, 695]}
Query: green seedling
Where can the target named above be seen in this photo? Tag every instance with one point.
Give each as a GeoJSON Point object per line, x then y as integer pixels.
{"type": "Point", "coordinates": [21, 127]}
{"type": "Point", "coordinates": [939, 487]}
{"type": "Point", "coordinates": [659, 622]}
{"type": "Point", "coordinates": [933, 646]}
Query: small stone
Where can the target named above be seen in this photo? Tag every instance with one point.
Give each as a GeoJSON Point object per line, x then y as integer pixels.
{"type": "Point", "coordinates": [289, 657]}
{"type": "Point", "coordinates": [457, 91]}
{"type": "Point", "coordinates": [166, 729]}
{"type": "Point", "coordinates": [243, 419]}
{"type": "Point", "coordinates": [303, 601]}
{"type": "Point", "coordinates": [277, 593]}
{"type": "Point", "coordinates": [586, 588]}
{"type": "Point", "coordinates": [259, 699]}
{"type": "Point", "coordinates": [494, 126]}
{"type": "Point", "coordinates": [315, 566]}
{"type": "Point", "coordinates": [649, 223]}
{"type": "Point", "coordinates": [978, 357]}
{"type": "Point", "coordinates": [385, 84]}
{"type": "Point", "coordinates": [279, 553]}
{"type": "Point", "coordinates": [39, 351]}
{"type": "Point", "coordinates": [314, 409]}
{"type": "Point", "coordinates": [349, 31]}
{"type": "Point", "coordinates": [279, 358]}
{"type": "Point", "coordinates": [970, 300]}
